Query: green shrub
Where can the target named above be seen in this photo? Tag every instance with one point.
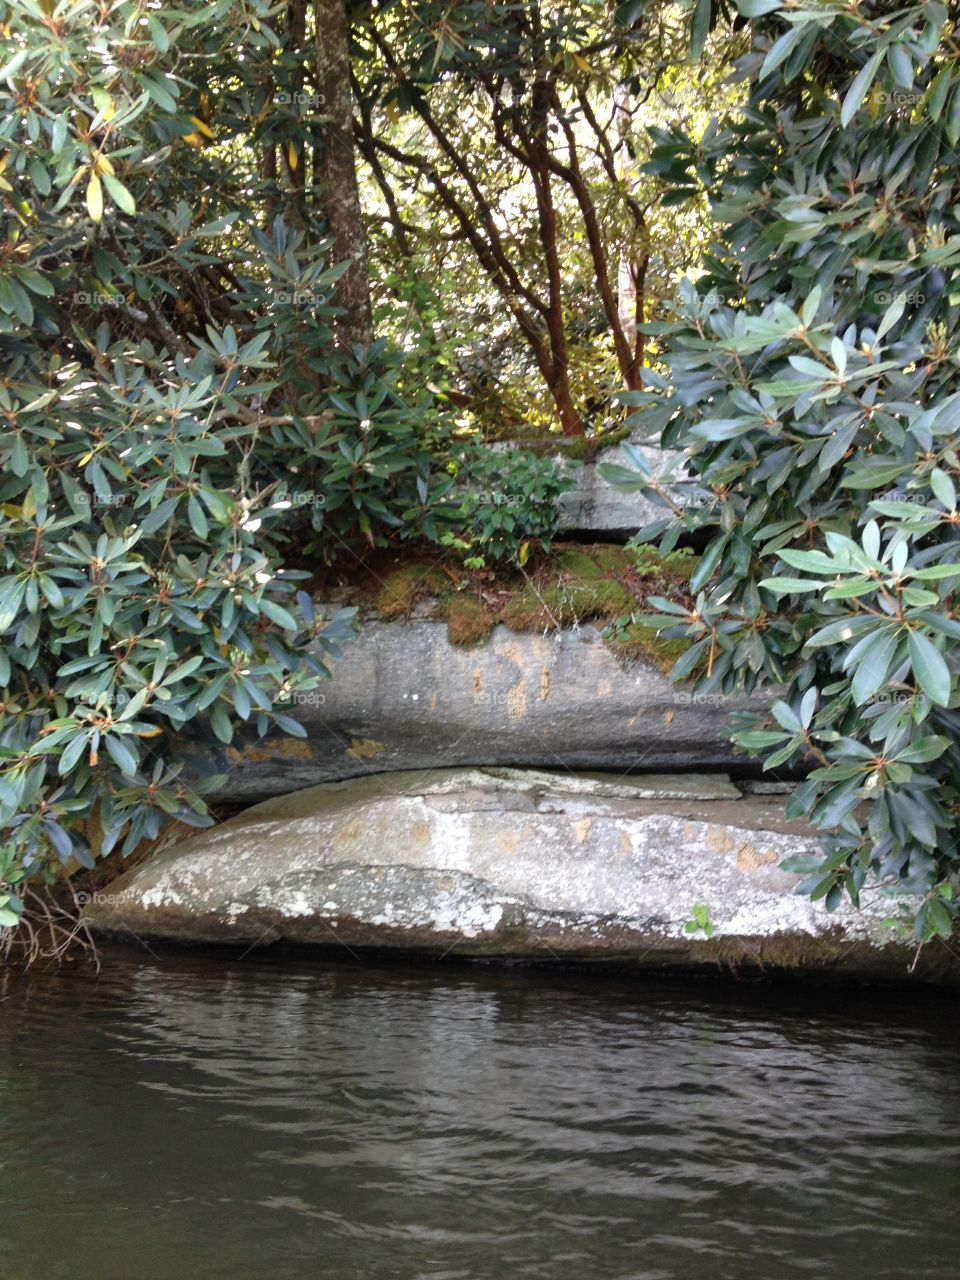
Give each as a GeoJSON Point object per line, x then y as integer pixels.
{"type": "Point", "coordinates": [139, 592]}
{"type": "Point", "coordinates": [182, 436]}
{"type": "Point", "coordinates": [351, 458]}
{"type": "Point", "coordinates": [509, 501]}
{"type": "Point", "coordinates": [812, 378]}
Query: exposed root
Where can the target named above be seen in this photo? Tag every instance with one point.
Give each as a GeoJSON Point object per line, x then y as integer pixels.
{"type": "Point", "coordinates": [49, 929]}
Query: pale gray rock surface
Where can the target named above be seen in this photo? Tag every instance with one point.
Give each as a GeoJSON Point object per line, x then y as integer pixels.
{"type": "Point", "coordinates": [511, 863]}
{"type": "Point", "coordinates": [404, 697]}
{"type": "Point", "coordinates": [594, 506]}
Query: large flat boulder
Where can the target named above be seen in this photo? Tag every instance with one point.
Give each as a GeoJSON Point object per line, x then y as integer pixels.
{"type": "Point", "coordinates": [404, 697]}
{"type": "Point", "coordinates": [513, 863]}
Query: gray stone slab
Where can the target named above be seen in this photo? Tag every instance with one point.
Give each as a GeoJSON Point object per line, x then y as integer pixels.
{"type": "Point", "coordinates": [404, 697]}
{"type": "Point", "coordinates": [499, 863]}
{"type": "Point", "coordinates": [595, 506]}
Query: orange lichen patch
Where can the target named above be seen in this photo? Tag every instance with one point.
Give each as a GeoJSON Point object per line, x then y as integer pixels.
{"type": "Point", "coordinates": [364, 748]}
{"type": "Point", "coordinates": [720, 841]}
{"type": "Point", "coordinates": [285, 748]}
{"type": "Point", "coordinates": [517, 701]}
{"type": "Point", "coordinates": [581, 829]}
{"type": "Point", "coordinates": [750, 859]}
{"type": "Point", "coordinates": [544, 684]}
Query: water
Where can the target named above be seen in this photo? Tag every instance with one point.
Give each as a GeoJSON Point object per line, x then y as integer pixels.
{"type": "Point", "coordinates": [208, 1117]}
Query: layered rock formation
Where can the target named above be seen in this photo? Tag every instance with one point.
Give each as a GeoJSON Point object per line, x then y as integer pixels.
{"type": "Point", "coordinates": [403, 847]}
{"type": "Point", "coordinates": [404, 697]}
{"type": "Point", "coordinates": [548, 866]}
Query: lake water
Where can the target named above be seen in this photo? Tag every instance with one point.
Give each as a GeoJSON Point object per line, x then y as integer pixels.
{"type": "Point", "coordinates": [196, 1117]}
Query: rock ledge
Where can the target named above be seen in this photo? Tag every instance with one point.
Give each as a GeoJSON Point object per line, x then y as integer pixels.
{"type": "Point", "coordinates": [512, 863]}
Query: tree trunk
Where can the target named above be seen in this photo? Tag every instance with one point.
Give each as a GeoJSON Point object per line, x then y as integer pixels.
{"type": "Point", "coordinates": [630, 301]}
{"type": "Point", "coordinates": [341, 197]}
{"type": "Point", "coordinates": [291, 171]}
{"type": "Point", "coordinates": [268, 175]}
{"type": "Point", "coordinates": [570, 420]}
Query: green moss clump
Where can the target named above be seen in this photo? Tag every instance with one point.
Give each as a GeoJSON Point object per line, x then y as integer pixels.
{"type": "Point", "coordinates": [404, 587]}
{"type": "Point", "coordinates": [600, 561]}
{"type": "Point", "coordinates": [611, 559]}
{"type": "Point", "coordinates": [580, 592]}
{"type": "Point", "coordinates": [676, 564]}
{"type": "Point", "coordinates": [581, 601]}
{"type": "Point", "coordinates": [578, 561]}
{"type": "Point", "coordinates": [577, 583]}
{"type": "Point", "coordinates": [640, 641]}
{"type": "Point", "coordinates": [468, 621]}
{"type": "Point", "coordinates": [586, 448]}
{"type": "Point", "coordinates": [606, 582]}
{"type": "Point", "coordinates": [576, 448]}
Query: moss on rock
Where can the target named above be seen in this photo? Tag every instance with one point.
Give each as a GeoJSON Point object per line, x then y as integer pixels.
{"type": "Point", "coordinates": [405, 587]}
{"type": "Point", "coordinates": [468, 620]}
{"type": "Point", "coordinates": [564, 603]}
{"type": "Point", "coordinates": [640, 641]}
{"type": "Point", "coordinates": [605, 583]}
{"type": "Point", "coordinates": [577, 448]}
{"type": "Point", "coordinates": [598, 583]}
{"type": "Point", "coordinates": [586, 448]}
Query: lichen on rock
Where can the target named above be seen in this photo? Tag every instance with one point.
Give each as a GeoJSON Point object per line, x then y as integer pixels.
{"type": "Point", "coordinates": [525, 863]}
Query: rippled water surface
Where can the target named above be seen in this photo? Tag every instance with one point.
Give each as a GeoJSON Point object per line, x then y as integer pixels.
{"type": "Point", "coordinates": [210, 1117]}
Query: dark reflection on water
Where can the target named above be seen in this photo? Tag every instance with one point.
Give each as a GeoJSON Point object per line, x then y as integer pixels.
{"type": "Point", "coordinates": [205, 1117]}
